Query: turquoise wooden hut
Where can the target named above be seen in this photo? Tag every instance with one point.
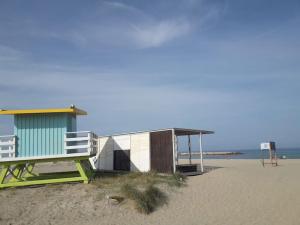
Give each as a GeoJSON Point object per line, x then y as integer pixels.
{"type": "Point", "coordinates": [45, 136]}
{"type": "Point", "coordinates": [41, 132]}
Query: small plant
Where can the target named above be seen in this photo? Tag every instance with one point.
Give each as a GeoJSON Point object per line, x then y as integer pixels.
{"type": "Point", "coordinates": [130, 192]}
{"type": "Point", "coordinates": [155, 196]}
{"type": "Point", "coordinates": [141, 188]}
{"type": "Point", "coordinates": [145, 201]}
{"type": "Point", "coordinates": [178, 179]}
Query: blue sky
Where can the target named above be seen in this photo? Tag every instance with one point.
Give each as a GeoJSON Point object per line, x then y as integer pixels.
{"type": "Point", "coordinates": [228, 66]}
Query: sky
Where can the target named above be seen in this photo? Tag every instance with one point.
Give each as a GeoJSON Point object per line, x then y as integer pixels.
{"type": "Point", "coordinates": [227, 66]}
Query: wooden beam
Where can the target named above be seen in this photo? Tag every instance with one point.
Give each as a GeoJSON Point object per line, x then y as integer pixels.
{"type": "Point", "coordinates": [190, 148]}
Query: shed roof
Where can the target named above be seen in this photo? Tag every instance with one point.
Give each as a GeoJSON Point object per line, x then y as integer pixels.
{"type": "Point", "coordinates": [184, 131]}
{"type": "Point", "coordinates": [73, 110]}
{"type": "Point", "coordinates": [177, 131]}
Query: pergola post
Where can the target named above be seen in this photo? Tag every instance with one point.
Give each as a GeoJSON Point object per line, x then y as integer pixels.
{"type": "Point", "coordinates": [201, 152]}
{"type": "Point", "coordinates": [190, 149]}
{"type": "Point", "coordinates": [175, 150]}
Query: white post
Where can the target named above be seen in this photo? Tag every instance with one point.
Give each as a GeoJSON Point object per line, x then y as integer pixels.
{"type": "Point", "coordinates": [176, 148]}
{"type": "Point", "coordinates": [13, 147]}
{"type": "Point", "coordinates": [65, 143]}
{"type": "Point", "coordinates": [201, 152]}
{"type": "Point", "coordinates": [174, 160]}
{"type": "Point", "coordinates": [89, 143]}
{"type": "Point", "coordinates": [190, 149]}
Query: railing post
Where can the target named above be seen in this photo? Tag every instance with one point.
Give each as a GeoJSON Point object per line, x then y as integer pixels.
{"type": "Point", "coordinates": [65, 143]}
{"type": "Point", "coordinates": [89, 143]}
{"type": "Point", "coordinates": [7, 146]}
{"type": "Point", "coordinates": [79, 140]}
{"type": "Point", "coordinates": [14, 146]}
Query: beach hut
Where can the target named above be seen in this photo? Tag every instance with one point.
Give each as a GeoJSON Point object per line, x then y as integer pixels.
{"type": "Point", "coordinates": [148, 150]}
{"type": "Point", "coordinates": [40, 132]}
{"type": "Point", "coordinates": [45, 135]}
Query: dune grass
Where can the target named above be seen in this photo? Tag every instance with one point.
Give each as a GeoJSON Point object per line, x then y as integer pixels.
{"type": "Point", "coordinates": [113, 180]}
{"type": "Point", "coordinates": [144, 189]}
{"type": "Point", "coordinates": [145, 201]}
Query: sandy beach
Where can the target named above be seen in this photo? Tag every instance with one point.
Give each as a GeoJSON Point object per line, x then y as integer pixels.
{"type": "Point", "coordinates": [234, 192]}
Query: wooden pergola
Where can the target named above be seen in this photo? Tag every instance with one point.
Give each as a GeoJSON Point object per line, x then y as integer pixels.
{"type": "Point", "coordinates": [189, 133]}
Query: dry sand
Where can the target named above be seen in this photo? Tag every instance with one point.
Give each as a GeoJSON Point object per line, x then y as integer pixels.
{"type": "Point", "coordinates": [237, 192]}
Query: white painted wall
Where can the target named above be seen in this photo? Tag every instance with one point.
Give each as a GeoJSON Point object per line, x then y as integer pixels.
{"type": "Point", "coordinates": [106, 155]}
{"type": "Point", "coordinates": [138, 144]}
{"type": "Point", "coordinates": [140, 152]}
{"type": "Point", "coordinates": [121, 142]}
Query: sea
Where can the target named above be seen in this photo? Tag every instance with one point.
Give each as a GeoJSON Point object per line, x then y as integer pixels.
{"type": "Point", "coordinates": [284, 153]}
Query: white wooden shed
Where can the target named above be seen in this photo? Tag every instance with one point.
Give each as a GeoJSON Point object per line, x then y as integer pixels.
{"type": "Point", "coordinates": [144, 151]}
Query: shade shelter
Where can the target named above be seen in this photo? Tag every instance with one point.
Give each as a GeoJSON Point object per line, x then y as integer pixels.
{"type": "Point", "coordinates": [179, 132]}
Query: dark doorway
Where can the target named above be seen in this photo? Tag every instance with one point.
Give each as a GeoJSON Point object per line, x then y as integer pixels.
{"type": "Point", "coordinates": [122, 160]}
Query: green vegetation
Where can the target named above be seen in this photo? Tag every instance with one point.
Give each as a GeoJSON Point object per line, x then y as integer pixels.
{"type": "Point", "coordinates": [144, 189]}
{"type": "Point", "coordinates": [114, 181]}
{"type": "Point", "coordinates": [145, 201]}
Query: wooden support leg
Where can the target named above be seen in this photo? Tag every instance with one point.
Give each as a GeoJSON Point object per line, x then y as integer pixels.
{"type": "Point", "coordinates": [28, 170]}
{"type": "Point", "coordinates": [82, 170]}
{"type": "Point", "coordinates": [3, 174]}
{"type": "Point", "coordinates": [88, 168]}
{"type": "Point", "coordinates": [16, 172]}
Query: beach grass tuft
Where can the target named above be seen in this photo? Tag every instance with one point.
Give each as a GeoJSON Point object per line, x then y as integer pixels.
{"type": "Point", "coordinates": [145, 201]}
{"type": "Point", "coordinates": [178, 179]}
{"type": "Point", "coordinates": [114, 180]}
{"type": "Point", "coordinates": [144, 189]}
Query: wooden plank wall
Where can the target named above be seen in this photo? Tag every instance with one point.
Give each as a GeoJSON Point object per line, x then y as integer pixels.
{"type": "Point", "coordinates": [42, 134]}
{"type": "Point", "coordinates": [161, 145]}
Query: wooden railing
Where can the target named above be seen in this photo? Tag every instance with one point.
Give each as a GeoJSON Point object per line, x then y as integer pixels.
{"type": "Point", "coordinates": [81, 141]}
{"type": "Point", "coordinates": [7, 146]}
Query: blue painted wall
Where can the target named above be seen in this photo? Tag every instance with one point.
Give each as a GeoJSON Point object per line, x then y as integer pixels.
{"type": "Point", "coordinates": [42, 134]}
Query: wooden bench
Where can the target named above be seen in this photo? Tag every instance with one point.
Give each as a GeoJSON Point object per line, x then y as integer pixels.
{"type": "Point", "coordinates": [18, 171]}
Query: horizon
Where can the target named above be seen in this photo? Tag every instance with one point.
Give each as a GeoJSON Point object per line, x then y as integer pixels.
{"type": "Point", "coordinates": [227, 66]}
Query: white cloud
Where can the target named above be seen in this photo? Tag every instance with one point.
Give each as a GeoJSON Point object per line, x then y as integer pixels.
{"type": "Point", "coordinates": [129, 27]}
{"type": "Point", "coordinates": [157, 34]}
{"type": "Point", "coordinates": [122, 6]}
{"type": "Point", "coordinates": [119, 25]}
{"type": "Point", "coordinates": [145, 33]}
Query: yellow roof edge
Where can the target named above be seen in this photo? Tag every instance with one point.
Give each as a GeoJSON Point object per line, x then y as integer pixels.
{"type": "Point", "coordinates": [35, 111]}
